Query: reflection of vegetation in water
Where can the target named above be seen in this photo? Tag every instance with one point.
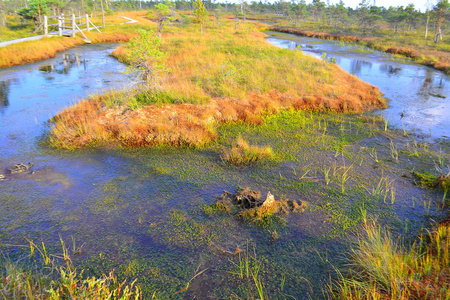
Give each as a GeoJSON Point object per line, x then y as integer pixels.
{"type": "Point", "coordinates": [4, 93]}
{"type": "Point", "coordinates": [64, 67]}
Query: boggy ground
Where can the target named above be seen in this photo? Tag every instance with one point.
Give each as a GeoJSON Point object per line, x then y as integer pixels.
{"type": "Point", "coordinates": [235, 78]}
{"type": "Point", "coordinates": [149, 214]}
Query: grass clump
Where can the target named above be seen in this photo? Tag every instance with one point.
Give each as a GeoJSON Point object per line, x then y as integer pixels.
{"type": "Point", "coordinates": [244, 154]}
{"type": "Point", "coordinates": [382, 268]}
{"type": "Point", "coordinates": [428, 180]}
{"type": "Point", "coordinates": [40, 275]}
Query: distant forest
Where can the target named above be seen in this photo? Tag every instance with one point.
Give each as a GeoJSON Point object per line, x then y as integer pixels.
{"type": "Point", "coordinates": [367, 17]}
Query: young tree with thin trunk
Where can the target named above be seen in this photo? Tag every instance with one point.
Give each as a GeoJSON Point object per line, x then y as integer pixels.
{"type": "Point", "coordinates": [297, 11]}
{"type": "Point", "coordinates": [103, 14]}
{"type": "Point", "coordinates": [162, 13]}
{"type": "Point", "coordinates": [428, 13]}
{"type": "Point", "coordinates": [396, 17]}
{"type": "Point", "coordinates": [340, 13]}
{"type": "Point", "coordinates": [368, 16]}
{"type": "Point", "coordinates": [218, 11]}
{"type": "Point", "coordinates": [2, 14]}
{"type": "Point", "coordinates": [145, 55]}
{"type": "Point", "coordinates": [200, 13]}
{"type": "Point", "coordinates": [441, 9]}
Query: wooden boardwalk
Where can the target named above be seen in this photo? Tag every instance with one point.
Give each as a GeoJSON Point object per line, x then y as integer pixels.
{"type": "Point", "coordinates": [63, 32]}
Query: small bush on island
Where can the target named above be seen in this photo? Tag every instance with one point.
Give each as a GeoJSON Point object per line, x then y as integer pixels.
{"type": "Point", "coordinates": [144, 54]}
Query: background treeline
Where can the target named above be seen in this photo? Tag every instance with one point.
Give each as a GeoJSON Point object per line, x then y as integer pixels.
{"type": "Point", "coordinates": [367, 18]}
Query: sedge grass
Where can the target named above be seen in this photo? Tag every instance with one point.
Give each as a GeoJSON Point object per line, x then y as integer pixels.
{"type": "Point", "coordinates": [382, 268]}
{"type": "Point", "coordinates": [41, 275]}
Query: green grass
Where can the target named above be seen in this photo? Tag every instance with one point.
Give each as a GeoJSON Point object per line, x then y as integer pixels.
{"type": "Point", "coordinates": [16, 30]}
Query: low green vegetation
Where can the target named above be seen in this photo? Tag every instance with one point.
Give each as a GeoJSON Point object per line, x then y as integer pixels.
{"type": "Point", "coordinates": [427, 180]}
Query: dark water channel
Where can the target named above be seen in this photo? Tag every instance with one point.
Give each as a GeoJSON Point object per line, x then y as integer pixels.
{"type": "Point", "coordinates": [142, 212]}
{"type": "Point", "coordinates": [33, 93]}
{"type": "Point", "coordinates": [419, 96]}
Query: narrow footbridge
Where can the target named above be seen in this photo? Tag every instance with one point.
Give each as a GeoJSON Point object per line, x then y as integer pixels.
{"type": "Point", "coordinates": [66, 26]}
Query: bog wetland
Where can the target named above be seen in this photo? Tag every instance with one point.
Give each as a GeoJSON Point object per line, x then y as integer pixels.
{"type": "Point", "coordinates": [149, 213]}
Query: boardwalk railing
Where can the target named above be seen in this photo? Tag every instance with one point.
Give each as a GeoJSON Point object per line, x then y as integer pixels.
{"type": "Point", "coordinates": [66, 25]}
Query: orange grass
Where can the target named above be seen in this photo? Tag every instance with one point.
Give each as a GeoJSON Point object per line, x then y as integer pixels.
{"type": "Point", "coordinates": [439, 60]}
{"type": "Point", "coordinates": [26, 52]}
{"type": "Point", "coordinates": [218, 77]}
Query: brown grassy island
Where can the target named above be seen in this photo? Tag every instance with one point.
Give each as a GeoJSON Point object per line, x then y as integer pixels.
{"type": "Point", "coordinates": [224, 75]}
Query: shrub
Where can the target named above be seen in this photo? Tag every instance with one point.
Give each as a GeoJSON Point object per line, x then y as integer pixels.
{"type": "Point", "coordinates": [144, 54]}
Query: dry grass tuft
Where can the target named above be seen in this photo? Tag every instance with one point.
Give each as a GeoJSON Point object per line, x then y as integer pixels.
{"type": "Point", "coordinates": [383, 269]}
{"type": "Point", "coordinates": [243, 154]}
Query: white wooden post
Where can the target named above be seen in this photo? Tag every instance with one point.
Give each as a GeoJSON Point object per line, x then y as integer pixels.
{"type": "Point", "coordinates": [45, 26]}
{"type": "Point", "coordinates": [87, 23]}
{"type": "Point", "coordinates": [73, 25]}
{"type": "Point", "coordinates": [59, 26]}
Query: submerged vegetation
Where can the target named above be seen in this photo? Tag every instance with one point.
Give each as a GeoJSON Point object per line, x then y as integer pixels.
{"type": "Point", "coordinates": [160, 225]}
